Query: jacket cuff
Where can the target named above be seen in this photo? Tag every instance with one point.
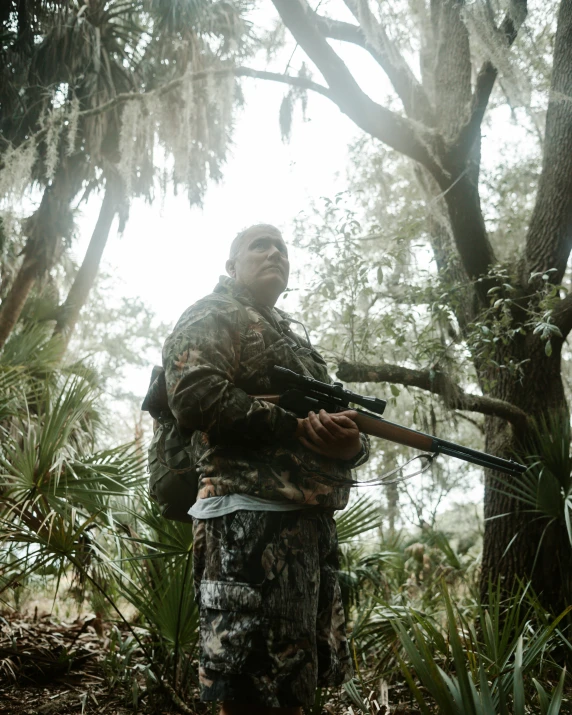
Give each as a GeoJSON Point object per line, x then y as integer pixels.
{"type": "Point", "coordinates": [363, 455]}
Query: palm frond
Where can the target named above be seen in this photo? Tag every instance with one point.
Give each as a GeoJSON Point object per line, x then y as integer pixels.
{"type": "Point", "coordinates": [357, 519]}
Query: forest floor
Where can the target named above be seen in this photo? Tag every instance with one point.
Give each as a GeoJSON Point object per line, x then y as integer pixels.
{"type": "Point", "coordinates": [52, 667]}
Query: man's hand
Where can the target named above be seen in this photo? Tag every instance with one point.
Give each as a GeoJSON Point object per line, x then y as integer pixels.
{"type": "Point", "coordinates": [333, 435]}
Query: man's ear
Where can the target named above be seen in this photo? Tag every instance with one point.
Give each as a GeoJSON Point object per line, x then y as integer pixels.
{"type": "Point", "coordinates": [230, 269]}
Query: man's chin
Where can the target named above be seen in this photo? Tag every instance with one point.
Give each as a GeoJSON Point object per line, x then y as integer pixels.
{"type": "Point", "coordinates": [269, 286]}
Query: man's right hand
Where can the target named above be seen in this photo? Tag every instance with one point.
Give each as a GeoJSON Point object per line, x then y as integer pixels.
{"type": "Point", "coordinates": [333, 435]}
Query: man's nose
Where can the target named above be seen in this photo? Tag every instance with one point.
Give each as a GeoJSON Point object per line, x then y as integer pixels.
{"type": "Point", "coordinates": [275, 253]}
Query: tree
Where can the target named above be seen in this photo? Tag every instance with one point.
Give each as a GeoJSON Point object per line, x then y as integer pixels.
{"type": "Point", "coordinates": [81, 110]}
{"type": "Point", "coordinates": [520, 301]}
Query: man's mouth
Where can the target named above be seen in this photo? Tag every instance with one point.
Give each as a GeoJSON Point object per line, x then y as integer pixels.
{"type": "Point", "coordinates": [274, 268]}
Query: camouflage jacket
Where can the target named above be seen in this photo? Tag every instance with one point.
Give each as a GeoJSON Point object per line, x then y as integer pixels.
{"type": "Point", "coordinates": [222, 351]}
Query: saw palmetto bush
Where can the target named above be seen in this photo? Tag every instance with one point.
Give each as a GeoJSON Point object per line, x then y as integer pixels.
{"type": "Point", "coordinates": [545, 490]}
{"type": "Point", "coordinates": [69, 508]}
{"type": "Point", "coordinates": [486, 664]}
{"type": "Point", "coordinates": [56, 485]}
{"type": "Point", "coordinates": [419, 627]}
{"type": "Point", "coordinates": [74, 512]}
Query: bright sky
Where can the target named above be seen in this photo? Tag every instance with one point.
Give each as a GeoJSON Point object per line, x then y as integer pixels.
{"type": "Point", "coordinates": [172, 255]}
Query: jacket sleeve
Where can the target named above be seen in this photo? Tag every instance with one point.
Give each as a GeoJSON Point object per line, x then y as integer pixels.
{"type": "Point", "coordinates": [363, 455]}
{"type": "Point", "coordinates": [200, 359]}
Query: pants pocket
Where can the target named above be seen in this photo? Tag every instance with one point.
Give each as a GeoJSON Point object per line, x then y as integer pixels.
{"type": "Point", "coordinates": [234, 628]}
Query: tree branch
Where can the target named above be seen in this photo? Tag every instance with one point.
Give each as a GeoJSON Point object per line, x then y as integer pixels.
{"type": "Point", "coordinates": [393, 130]}
{"type": "Point", "coordinates": [486, 78]}
{"type": "Point", "coordinates": [438, 383]}
{"type": "Point", "coordinates": [123, 97]}
{"type": "Point", "coordinates": [405, 84]}
{"type": "Point", "coordinates": [302, 82]}
{"type": "Point", "coordinates": [562, 315]}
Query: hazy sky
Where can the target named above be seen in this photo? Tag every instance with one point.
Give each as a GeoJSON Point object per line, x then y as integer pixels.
{"type": "Point", "coordinates": [171, 254]}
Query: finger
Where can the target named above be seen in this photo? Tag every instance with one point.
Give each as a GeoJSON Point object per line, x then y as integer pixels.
{"type": "Point", "coordinates": [344, 422]}
{"type": "Point", "coordinates": [331, 425]}
{"type": "Point", "coordinates": [319, 429]}
{"type": "Point", "coordinates": [310, 433]}
{"type": "Point", "coordinates": [352, 414]}
{"type": "Point", "coordinates": [311, 445]}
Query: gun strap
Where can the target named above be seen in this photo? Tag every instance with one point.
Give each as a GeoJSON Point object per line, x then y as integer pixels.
{"type": "Point", "coordinates": [376, 481]}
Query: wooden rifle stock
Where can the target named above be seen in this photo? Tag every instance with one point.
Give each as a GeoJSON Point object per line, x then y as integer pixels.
{"type": "Point", "coordinates": [378, 427]}
{"type": "Point", "coordinates": [394, 433]}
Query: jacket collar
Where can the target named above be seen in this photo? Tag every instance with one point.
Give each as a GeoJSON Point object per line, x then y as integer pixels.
{"type": "Point", "coordinates": [228, 286]}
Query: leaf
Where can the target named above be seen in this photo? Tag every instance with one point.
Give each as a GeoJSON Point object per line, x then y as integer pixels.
{"type": "Point", "coordinates": [353, 693]}
{"type": "Point", "coordinates": [395, 391]}
{"type": "Point", "coordinates": [518, 684]}
{"type": "Point", "coordinates": [549, 496]}
{"type": "Point", "coordinates": [548, 348]}
{"type": "Point", "coordinates": [358, 518]}
{"type": "Point", "coordinates": [556, 701]}
{"type": "Point", "coordinates": [542, 697]}
{"type": "Point", "coordinates": [458, 656]}
{"type": "Point", "coordinates": [486, 695]}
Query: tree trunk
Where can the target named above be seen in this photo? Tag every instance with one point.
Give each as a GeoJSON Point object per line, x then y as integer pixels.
{"type": "Point", "coordinates": [52, 221]}
{"type": "Point", "coordinates": [518, 543]}
{"type": "Point", "coordinates": [85, 278]}
{"type": "Point", "coordinates": [16, 298]}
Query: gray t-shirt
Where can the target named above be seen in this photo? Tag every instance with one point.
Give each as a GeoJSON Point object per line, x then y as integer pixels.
{"type": "Point", "coordinates": [219, 506]}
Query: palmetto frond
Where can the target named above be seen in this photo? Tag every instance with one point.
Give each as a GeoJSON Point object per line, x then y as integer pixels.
{"type": "Point", "coordinates": [545, 489]}
{"type": "Point", "coordinates": [32, 349]}
{"type": "Point", "coordinates": [357, 519]}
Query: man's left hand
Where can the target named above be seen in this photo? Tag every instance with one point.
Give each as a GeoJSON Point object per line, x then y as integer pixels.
{"type": "Point", "coordinates": [333, 435]}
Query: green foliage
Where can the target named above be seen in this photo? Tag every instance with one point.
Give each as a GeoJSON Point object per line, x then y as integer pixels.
{"type": "Point", "coordinates": [467, 672]}
{"type": "Point", "coordinates": [545, 489]}
{"type": "Point", "coordinates": [357, 519]}
{"type": "Point", "coordinates": [468, 657]}
{"type": "Point", "coordinates": [68, 507]}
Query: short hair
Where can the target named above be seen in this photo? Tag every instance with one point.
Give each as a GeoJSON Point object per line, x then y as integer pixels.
{"type": "Point", "coordinates": [235, 245]}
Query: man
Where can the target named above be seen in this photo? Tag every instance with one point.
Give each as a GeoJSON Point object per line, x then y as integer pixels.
{"type": "Point", "coordinates": [265, 548]}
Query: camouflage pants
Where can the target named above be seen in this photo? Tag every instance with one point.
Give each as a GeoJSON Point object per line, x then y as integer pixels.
{"type": "Point", "coordinates": [272, 623]}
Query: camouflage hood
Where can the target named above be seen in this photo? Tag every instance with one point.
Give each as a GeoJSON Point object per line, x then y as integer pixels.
{"type": "Point", "coordinates": [219, 355]}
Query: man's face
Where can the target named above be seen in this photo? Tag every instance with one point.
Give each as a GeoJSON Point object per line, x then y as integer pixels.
{"type": "Point", "coordinates": [261, 264]}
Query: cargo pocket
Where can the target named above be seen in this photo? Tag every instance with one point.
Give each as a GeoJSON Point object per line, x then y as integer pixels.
{"type": "Point", "coordinates": [234, 627]}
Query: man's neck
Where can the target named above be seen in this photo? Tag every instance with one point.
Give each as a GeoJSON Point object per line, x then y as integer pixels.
{"type": "Point", "coordinates": [260, 300]}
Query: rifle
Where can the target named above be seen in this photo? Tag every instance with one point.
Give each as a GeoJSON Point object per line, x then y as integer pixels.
{"type": "Point", "coordinates": [305, 394]}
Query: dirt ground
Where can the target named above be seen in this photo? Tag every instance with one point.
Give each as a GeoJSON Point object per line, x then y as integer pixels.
{"type": "Point", "coordinates": [50, 666]}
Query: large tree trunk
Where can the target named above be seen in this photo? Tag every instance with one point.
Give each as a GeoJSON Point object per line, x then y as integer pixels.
{"type": "Point", "coordinates": [85, 278]}
{"type": "Point", "coordinates": [17, 296]}
{"type": "Point", "coordinates": [45, 228]}
{"type": "Point", "coordinates": [519, 543]}
{"type": "Point", "coordinates": [542, 553]}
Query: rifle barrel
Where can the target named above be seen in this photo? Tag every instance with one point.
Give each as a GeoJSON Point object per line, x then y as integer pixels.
{"type": "Point", "coordinates": [393, 432]}
{"type": "Point", "coordinates": [378, 427]}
